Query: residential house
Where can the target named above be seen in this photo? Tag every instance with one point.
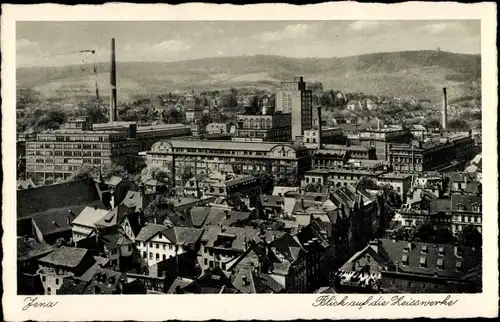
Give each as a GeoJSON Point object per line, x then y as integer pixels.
{"type": "Point", "coordinates": [61, 263]}
{"type": "Point", "coordinates": [466, 210]}
{"type": "Point", "coordinates": [157, 243]}
{"type": "Point", "coordinates": [28, 251]}
{"type": "Point", "coordinates": [85, 222]}
{"type": "Point", "coordinates": [221, 244]}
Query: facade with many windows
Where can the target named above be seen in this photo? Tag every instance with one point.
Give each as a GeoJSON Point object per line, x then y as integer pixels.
{"type": "Point", "coordinates": [268, 127]}
{"type": "Point", "coordinates": [447, 153]}
{"type": "Point", "coordinates": [57, 154]}
{"type": "Point", "coordinates": [284, 160]}
{"type": "Point", "coordinates": [294, 98]}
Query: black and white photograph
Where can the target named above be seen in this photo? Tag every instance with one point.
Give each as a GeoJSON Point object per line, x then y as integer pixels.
{"type": "Point", "coordinates": [325, 157]}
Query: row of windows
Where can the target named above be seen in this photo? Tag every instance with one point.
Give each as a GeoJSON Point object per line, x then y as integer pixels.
{"type": "Point", "coordinates": [156, 256]}
{"type": "Point", "coordinates": [472, 219]}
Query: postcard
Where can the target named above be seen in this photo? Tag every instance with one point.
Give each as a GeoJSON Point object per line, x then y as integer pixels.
{"type": "Point", "coordinates": [269, 161]}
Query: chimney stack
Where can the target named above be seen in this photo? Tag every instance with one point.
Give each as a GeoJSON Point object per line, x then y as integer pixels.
{"type": "Point", "coordinates": [320, 130]}
{"type": "Point", "coordinates": [445, 110]}
{"type": "Point", "coordinates": [112, 105]}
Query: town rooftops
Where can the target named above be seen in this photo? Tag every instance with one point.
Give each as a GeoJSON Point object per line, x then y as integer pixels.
{"type": "Point", "coordinates": [25, 184]}
{"type": "Point", "coordinates": [65, 256]}
{"type": "Point", "coordinates": [430, 259]}
{"type": "Point", "coordinates": [465, 202]}
{"type": "Point", "coordinates": [241, 236]}
{"type": "Point", "coordinates": [29, 248]}
{"type": "Point", "coordinates": [177, 235]}
{"type": "Point", "coordinates": [89, 216]}
{"type": "Point", "coordinates": [40, 199]}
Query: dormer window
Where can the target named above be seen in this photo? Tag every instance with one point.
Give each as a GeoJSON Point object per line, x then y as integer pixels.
{"type": "Point", "coordinates": [460, 207]}
{"type": "Point", "coordinates": [458, 266]}
{"type": "Point", "coordinates": [404, 260]}
{"type": "Point", "coordinates": [441, 251]}
{"type": "Point", "coordinates": [423, 261]}
{"type": "Point", "coordinates": [440, 263]}
{"type": "Point", "coordinates": [425, 249]}
{"type": "Point", "coordinates": [407, 247]}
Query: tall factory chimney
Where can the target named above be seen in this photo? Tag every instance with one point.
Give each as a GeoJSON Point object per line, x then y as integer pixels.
{"type": "Point", "coordinates": [112, 105]}
{"type": "Point", "coordinates": [320, 128]}
{"type": "Point", "coordinates": [445, 110]}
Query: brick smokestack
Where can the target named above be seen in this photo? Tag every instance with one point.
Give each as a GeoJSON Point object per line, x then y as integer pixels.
{"type": "Point", "coordinates": [444, 124]}
{"type": "Point", "coordinates": [320, 128]}
{"type": "Point", "coordinates": [112, 106]}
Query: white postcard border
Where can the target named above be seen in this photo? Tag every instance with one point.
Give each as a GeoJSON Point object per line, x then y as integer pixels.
{"type": "Point", "coordinates": [231, 307]}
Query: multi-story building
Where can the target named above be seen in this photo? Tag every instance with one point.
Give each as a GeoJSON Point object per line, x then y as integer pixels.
{"type": "Point", "coordinates": [265, 127]}
{"type": "Point", "coordinates": [401, 266]}
{"type": "Point", "coordinates": [147, 135]}
{"type": "Point", "coordinates": [62, 263]}
{"type": "Point", "coordinates": [339, 177]}
{"type": "Point", "coordinates": [466, 210]}
{"type": "Point", "coordinates": [380, 139]}
{"type": "Point", "coordinates": [445, 154]}
{"type": "Point", "coordinates": [157, 243]}
{"type": "Point", "coordinates": [294, 98]}
{"type": "Point", "coordinates": [329, 135]}
{"type": "Point", "coordinates": [281, 159]}
{"type": "Point", "coordinates": [59, 153]}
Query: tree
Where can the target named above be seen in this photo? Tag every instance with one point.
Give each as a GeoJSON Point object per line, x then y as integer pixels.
{"type": "Point", "coordinates": [85, 171]}
{"type": "Point", "coordinates": [51, 119]}
{"type": "Point", "coordinates": [458, 124]}
{"type": "Point", "coordinates": [471, 237]}
{"type": "Point", "coordinates": [367, 183]}
{"type": "Point", "coordinates": [229, 99]}
{"type": "Point", "coordinates": [155, 172]}
{"type": "Point", "coordinates": [157, 210]}
{"type": "Point", "coordinates": [432, 123]}
{"type": "Point", "coordinates": [116, 170]}
{"type": "Point", "coordinates": [172, 116]}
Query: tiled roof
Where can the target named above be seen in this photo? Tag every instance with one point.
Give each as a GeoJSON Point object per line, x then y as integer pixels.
{"type": "Point", "coordinates": [30, 248]}
{"type": "Point", "coordinates": [104, 281]}
{"type": "Point", "coordinates": [89, 216]}
{"type": "Point", "coordinates": [54, 221]}
{"type": "Point", "coordinates": [179, 282]}
{"type": "Point", "coordinates": [183, 235]}
{"type": "Point", "coordinates": [113, 217]}
{"type": "Point", "coordinates": [466, 200]}
{"type": "Point", "coordinates": [225, 217]}
{"type": "Point", "coordinates": [65, 256]}
{"type": "Point", "coordinates": [241, 235]}
{"type": "Point", "coordinates": [80, 192]}
{"type": "Point", "coordinates": [199, 215]}
{"type": "Point", "coordinates": [149, 231]}
{"type": "Point", "coordinates": [394, 252]}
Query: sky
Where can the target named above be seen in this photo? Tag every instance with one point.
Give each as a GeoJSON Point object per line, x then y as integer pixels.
{"type": "Point", "coordinates": [53, 43]}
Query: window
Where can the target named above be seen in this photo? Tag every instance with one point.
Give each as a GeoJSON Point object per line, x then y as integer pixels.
{"type": "Point", "coordinates": [144, 254]}
{"type": "Point", "coordinates": [151, 245]}
{"type": "Point", "coordinates": [440, 264]}
{"type": "Point", "coordinates": [404, 260]}
{"type": "Point", "coordinates": [424, 249]}
{"type": "Point", "coordinates": [205, 261]}
{"type": "Point", "coordinates": [129, 248]}
{"type": "Point", "coordinates": [157, 245]}
{"type": "Point", "coordinates": [43, 278]}
{"type": "Point", "coordinates": [441, 251]}
{"type": "Point", "coordinates": [164, 257]}
{"type": "Point", "coordinates": [423, 261]}
{"type": "Point", "coordinates": [150, 255]}
{"type": "Point", "coordinates": [157, 256]}
{"type": "Point", "coordinates": [49, 291]}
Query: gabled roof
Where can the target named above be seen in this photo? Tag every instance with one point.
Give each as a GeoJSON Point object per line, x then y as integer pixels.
{"type": "Point", "coordinates": [52, 222]}
{"type": "Point", "coordinates": [199, 215]}
{"type": "Point", "coordinates": [113, 217]}
{"type": "Point", "coordinates": [183, 235]}
{"type": "Point", "coordinates": [149, 231]}
{"type": "Point", "coordinates": [40, 199]}
{"type": "Point", "coordinates": [114, 180]}
{"type": "Point", "coordinates": [394, 251]}
{"type": "Point", "coordinates": [30, 248]}
{"type": "Point", "coordinates": [65, 256]}
{"type": "Point", "coordinates": [225, 217]}
{"type": "Point", "coordinates": [468, 201]}
{"type": "Point", "coordinates": [89, 216]}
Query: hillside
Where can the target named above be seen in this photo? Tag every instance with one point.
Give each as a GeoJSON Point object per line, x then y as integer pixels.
{"type": "Point", "coordinates": [419, 74]}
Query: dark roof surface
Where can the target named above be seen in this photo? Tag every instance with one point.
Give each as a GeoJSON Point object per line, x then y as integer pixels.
{"type": "Point", "coordinates": [65, 256]}
{"type": "Point", "coordinates": [40, 199]}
